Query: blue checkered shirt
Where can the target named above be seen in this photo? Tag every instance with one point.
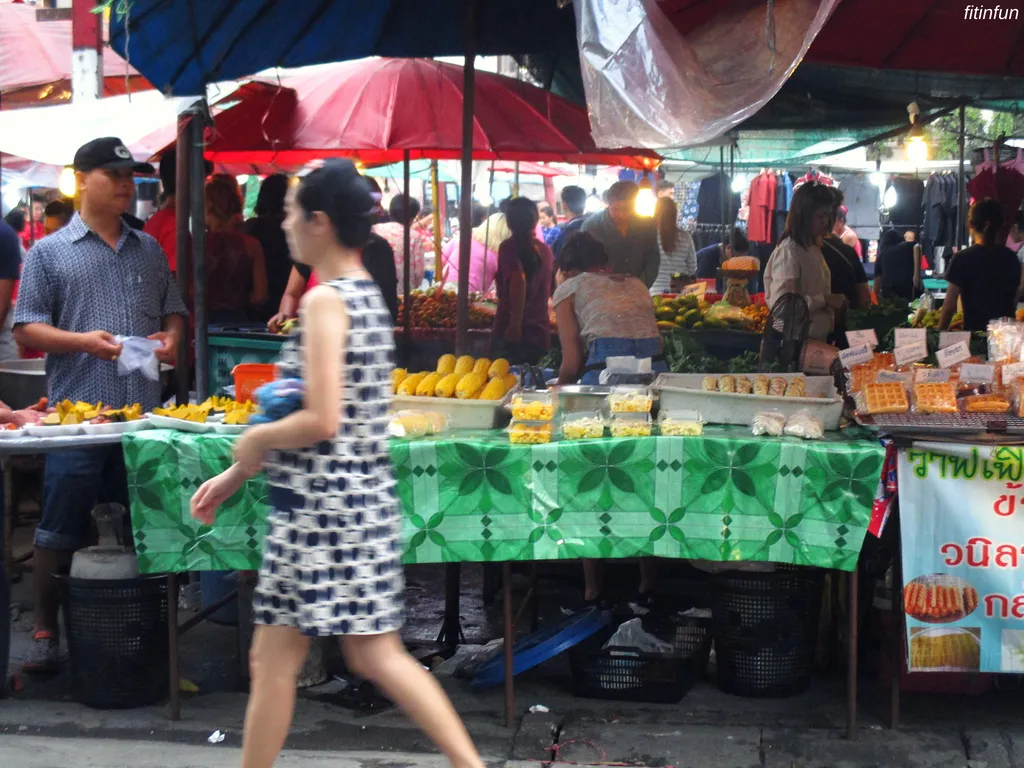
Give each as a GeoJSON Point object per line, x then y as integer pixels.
{"type": "Point", "coordinates": [74, 281]}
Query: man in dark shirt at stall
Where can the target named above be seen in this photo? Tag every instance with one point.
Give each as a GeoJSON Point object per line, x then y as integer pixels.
{"type": "Point", "coordinates": [894, 267]}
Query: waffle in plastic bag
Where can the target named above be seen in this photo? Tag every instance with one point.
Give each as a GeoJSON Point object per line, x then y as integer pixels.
{"type": "Point", "coordinates": [877, 399]}
{"type": "Point", "coordinates": [934, 397]}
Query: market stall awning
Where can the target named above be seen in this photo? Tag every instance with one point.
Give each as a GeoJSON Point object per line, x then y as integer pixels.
{"type": "Point", "coordinates": [378, 109]}
{"type": "Point", "coordinates": [35, 61]}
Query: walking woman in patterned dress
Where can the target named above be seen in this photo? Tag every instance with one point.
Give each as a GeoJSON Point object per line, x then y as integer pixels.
{"type": "Point", "coordinates": [331, 561]}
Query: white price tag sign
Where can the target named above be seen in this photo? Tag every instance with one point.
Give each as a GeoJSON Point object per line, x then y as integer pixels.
{"type": "Point", "coordinates": [1011, 373]}
{"type": "Point", "coordinates": [979, 373]}
{"type": "Point", "coordinates": [932, 375]}
{"type": "Point", "coordinates": [859, 338]}
{"type": "Point", "coordinates": [695, 289]}
{"type": "Point", "coordinates": [893, 377]}
{"type": "Point", "coordinates": [856, 356]}
{"type": "Point", "coordinates": [953, 354]}
{"type": "Point", "coordinates": [949, 338]}
{"type": "Point", "coordinates": [911, 353]}
{"type": "Point", "coordinates": [906, 336]}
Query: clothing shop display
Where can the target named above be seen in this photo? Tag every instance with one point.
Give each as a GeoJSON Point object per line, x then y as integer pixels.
{"type": "Point", "coordinates": [1006, 186]}
{"type": "Point", "coordinates": [783, 197]}
{"type": "Point", "coordinates": [907, 213]}
{"type": "Point", "coordinates": [763, 190]}
{"type": "Point", "coordinates": [709, 200]}
{"type": "Point", "coordinates": [817, 177]}
{"type": "Point", "coordinates": [862, 199]}
{"type": "Point", "coordinates": [685, 197]}
{"type": "Point", "coordinates": [939, 215]}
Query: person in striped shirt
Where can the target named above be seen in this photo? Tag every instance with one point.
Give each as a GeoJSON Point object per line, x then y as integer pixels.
{"type": "Point", "coordinates": [678, 255]}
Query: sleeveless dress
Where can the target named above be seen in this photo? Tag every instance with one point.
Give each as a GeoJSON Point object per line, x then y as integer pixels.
{"type": "Point", "coordinates": [332, 558]}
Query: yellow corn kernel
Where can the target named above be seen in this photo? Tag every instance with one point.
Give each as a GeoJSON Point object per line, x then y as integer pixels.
{"type": "Point", "coordinates": [446, 386]}
{"type": "Point", "coordinates": [397, 377]}
{"type": "Point", "coordinates": [410, 382]}
{"type": "Point", "coordinates": [495, 390]}
{"type": "Point", "coordinates": [498, 368]}
{"type": "Point", "coordinates": [426, 387]}
{"type": "Point", "coordinates": [446, 364]}
{"type": "Point", "coordinates": [469, 385]}
{"type": "Point", "coordinates": [510, 381]}
{"type": "Point", "coordinates": [482, 366]}
{"type": "Point", "coordinates": [464, 365]}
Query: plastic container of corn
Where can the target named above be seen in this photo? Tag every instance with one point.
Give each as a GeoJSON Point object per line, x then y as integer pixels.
{"type": "Point", "coordinates": [533, 406]}
{"type": "Point", "coordinates": [583, 425]}
{"type": "Point", "coordinates": [677, 423]}
{"type": "Point", "coordinates": [530, 432]}
{"type": "Point", "coordinates": [630, 399]}
{"type": "Point", "coordinates": [631, 425]}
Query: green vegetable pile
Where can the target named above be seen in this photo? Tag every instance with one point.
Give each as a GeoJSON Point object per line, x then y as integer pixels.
{"type": "Point", "coordinates": [685, 355]}
{"type": "Point", "coordinates": [883, 317]}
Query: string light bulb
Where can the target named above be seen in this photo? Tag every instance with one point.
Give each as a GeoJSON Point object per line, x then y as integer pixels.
{"type": "Point", "coordinates": [66, 182]}
{"type": "Point", "coordinates": [917, 147]}
{"type": "Point", "coordinates": [645, 201]}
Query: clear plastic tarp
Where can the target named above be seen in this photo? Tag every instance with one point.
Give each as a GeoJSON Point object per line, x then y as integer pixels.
{"type": "Point", "coordinates": [650, 85]}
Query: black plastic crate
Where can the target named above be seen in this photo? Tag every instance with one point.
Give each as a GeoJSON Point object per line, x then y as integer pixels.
{"type": "Point", "coordinates": [607, 673]}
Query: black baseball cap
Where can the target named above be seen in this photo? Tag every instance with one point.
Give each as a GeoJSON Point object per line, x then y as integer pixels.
{"type": "Point", "coordinates": [109, 152]}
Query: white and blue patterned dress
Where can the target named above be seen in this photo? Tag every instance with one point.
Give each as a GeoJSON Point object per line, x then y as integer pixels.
{"type": "Point", "coordinates": [332, 557]}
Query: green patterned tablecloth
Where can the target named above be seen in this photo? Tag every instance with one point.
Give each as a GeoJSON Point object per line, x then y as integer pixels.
{"type": "Point", "coordinates": [476, 498]}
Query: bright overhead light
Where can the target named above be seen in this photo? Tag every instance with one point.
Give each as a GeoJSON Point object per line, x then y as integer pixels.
{"type": "Point", "coordinates": [889, 199]}
{"type": "Point", "coordinates": [66, 182]}
{"type": "Point", "coordinates": [878, 179]}
{"type": "Point", "coordinates": [740, 183]}
{"type": "Point", "coordinates": [645, 202]}
{"type": "Point", "coordinates": [593, 205]}
{"type": "Point", "coordinates": [917, 150]}
{"type": "Point", "coordinates": [242, 179]}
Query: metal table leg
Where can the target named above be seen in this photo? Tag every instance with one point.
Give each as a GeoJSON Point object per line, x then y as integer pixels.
{"type": "Point", "coordinates": [898, 632]}
{"type": "Point", "coordinates": [510, 636]}
{"type": "Point", "coordinates": [451, 633]}
{"type": "Point", "coordinates": [173, 636]}
{"type": "Point", "coordinates": [853, 611]}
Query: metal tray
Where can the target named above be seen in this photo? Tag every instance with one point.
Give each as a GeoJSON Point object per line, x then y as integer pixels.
{"type": "Point", "coordinates": [944, 423]}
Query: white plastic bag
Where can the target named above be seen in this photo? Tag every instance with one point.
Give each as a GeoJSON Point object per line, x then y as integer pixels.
{"type": "Point", "coordinates": [806, 425]}
{"type": "Point", "coordinates": [770, 423]}
{"type": "Point", "coordinates": [632, 635]}
{"type": "Point", "coordinates": [138, 354]}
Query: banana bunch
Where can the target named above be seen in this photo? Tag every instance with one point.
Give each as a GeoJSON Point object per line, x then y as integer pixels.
{"type": "Point", "coordinates": [464, 378]}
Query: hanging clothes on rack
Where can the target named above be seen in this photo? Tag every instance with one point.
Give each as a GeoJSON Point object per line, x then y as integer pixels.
{"type": "Point", "coordinates": [907, 213]}
{"type": "Point", "coordinates": [1006, 186]}
{"type": "Point", "coordinates": [685, 195]}
{"type": "Point", "coordinates": [862, 199]}
{"type": "Point", "coordinates": [709, 200]}
{"type": "Point", "coordinates": [783, 196]}
{"type": "Point", "coordinates": [762, 207]}
{"type": "Point", "coordinates": [816, 176]}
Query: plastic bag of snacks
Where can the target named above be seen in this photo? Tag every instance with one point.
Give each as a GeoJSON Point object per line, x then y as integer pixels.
{"type": "Point", "coordinates": [771, 423]}
{"type": "Point", "coordinates": [875, 399]}
{"type": "Point", "coordinates": [1017, 397]}
{"type": "Point", "coordinates": [411, 423]}
{"type": "Point", "coordinates": [934, 397]}
{"type": "Point", "coordinates": [866, 373]}
{"type": "Point", "coordinates": [630, 399]}
{"type": "Point", "coordinates": [804, 424]}
{"type": "Point", "coordinates": [993, 402]}
{"type": "Point", "coordinates": [1005, 341]}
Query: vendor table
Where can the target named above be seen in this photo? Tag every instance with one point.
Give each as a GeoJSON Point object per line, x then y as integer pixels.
{"type": "Point", "coordinates": [723, 496]}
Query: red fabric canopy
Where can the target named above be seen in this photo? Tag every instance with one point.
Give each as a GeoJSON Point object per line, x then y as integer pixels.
{"type": "Point", "coordinates": [35, 60]}
{"type": "Point", "coordinates": [375, 109]}
{"type": "Point", "coordinates": [925, 35]}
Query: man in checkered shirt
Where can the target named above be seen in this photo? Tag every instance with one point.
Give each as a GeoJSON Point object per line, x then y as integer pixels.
{"type": "Point", "coordinates": [81, 287]}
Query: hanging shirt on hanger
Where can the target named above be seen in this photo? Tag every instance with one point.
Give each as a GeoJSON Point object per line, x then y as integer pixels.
{"type": "Point", "coordinates": [762, 204]}
{"type": "Point", "coordinates": [709, 200]}
{"type": "Point", "coordinates": [862, 199]}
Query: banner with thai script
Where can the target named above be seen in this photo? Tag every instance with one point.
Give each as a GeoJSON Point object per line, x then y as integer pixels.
{"type": "Point", "coordinates": [962, 526]}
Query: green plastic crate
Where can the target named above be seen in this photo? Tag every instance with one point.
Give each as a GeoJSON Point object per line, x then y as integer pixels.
{"type": "Point", "coordinates": [228, 351]}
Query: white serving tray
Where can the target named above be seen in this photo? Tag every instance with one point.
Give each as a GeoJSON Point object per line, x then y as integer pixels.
{"type": "Point", "coordinates": [462, 414]}
{"type": "Point", "coordinates": [683, 391]}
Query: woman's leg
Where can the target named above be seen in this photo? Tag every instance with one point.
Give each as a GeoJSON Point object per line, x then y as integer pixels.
{"type": "Point", "coordinates": [276, 657]}
{"type": "Point", "coordinates": [593, 579]}
{"type": "Point", "coordinates": [383, 660]}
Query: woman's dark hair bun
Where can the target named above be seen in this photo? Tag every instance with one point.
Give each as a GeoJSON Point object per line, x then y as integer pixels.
{"type": "Point", "coordinates": [337, 189]}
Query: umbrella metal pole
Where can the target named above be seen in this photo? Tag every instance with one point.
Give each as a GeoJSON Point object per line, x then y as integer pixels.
{"type": "Point", "coordinates": [183, 247]}
{"type": "Point", "coordinates": [435, 189]}
{"type": "Point", "coordinates": [724, 192]}
{"type": "Point", "coordinates": [406, 261]}
{"type": "Point", "coordinates": [466, 194]}
{"type": "Point", "coordinates": [961, 183]}
{"type": "Point", "coordinates": [197, 199]}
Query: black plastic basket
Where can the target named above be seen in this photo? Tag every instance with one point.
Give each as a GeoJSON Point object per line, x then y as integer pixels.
{"type": "Point", "coordinates": [765, 628]}
{"type": "Point", "coordinates": [628, 674]}
{"type": "Point", "coordinates": [117, 640]}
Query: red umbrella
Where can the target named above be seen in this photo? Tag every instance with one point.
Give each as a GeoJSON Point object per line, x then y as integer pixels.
{"type": "Point", "coordinates": [35, 60]}
{"type": "Point", "coordinates": [529, 169]}
{"type": "Point", "coordinates": [376, 109]}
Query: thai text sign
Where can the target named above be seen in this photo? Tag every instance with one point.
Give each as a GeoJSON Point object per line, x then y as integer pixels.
{"type": "Point", "coordinates": [962, 526]}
